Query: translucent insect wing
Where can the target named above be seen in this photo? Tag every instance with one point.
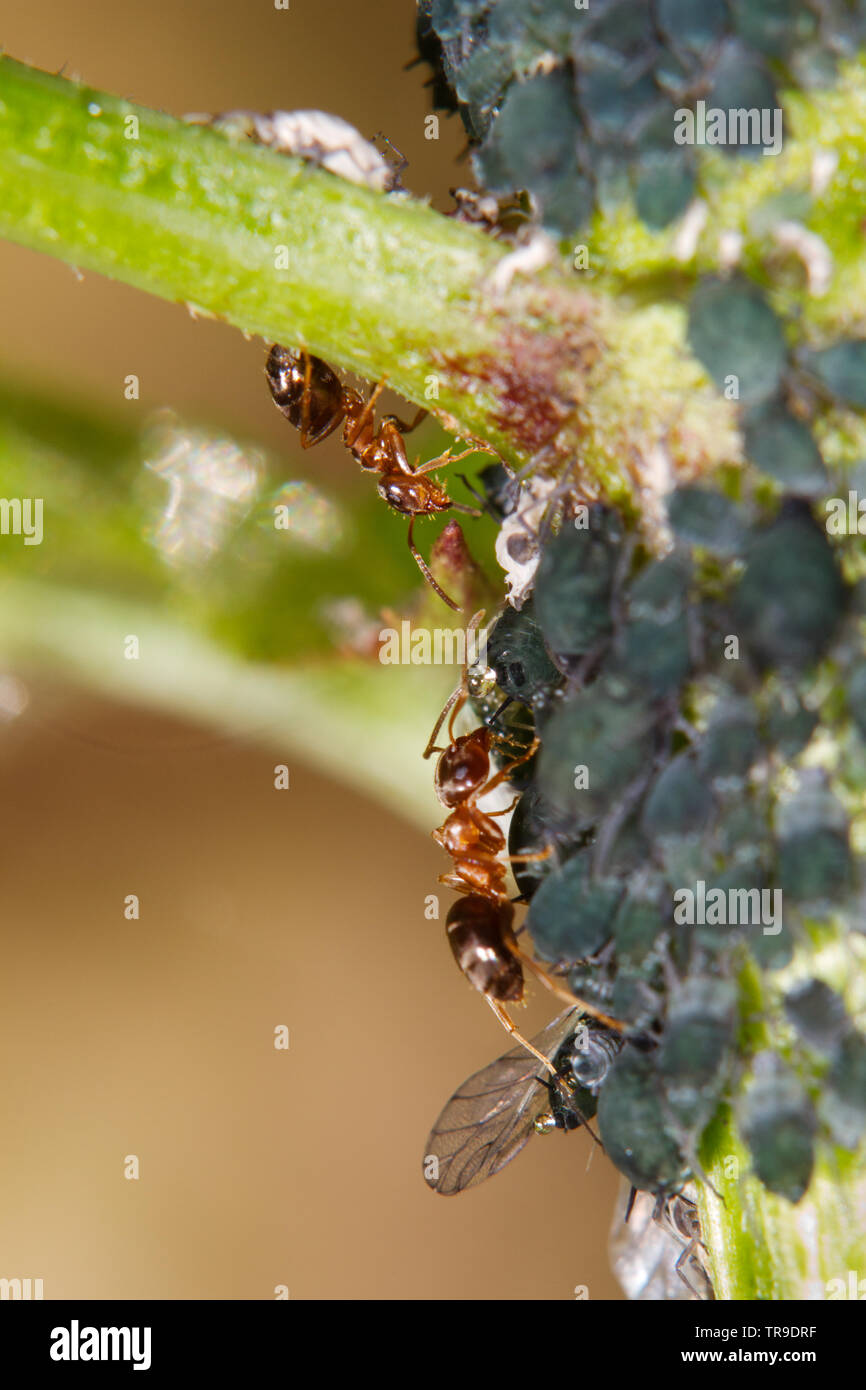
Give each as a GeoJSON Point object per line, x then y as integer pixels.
{"type": "Point", "coordinates": [490, 1117]}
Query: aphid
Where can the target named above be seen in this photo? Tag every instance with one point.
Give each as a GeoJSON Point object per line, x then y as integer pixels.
{"type": "Point", "coordinates": [314, 400]}
{"type": "Point", "coordinates": [631, 1120]}
{"type": "Point", "coordinates": [777, 1120]}
{"type": "Point", "coordinates": [326, 140]}
{"type": "Point", "coordinates": [510, 723]}
{"type": "Point", "coordinates": [656, 1245]}
{"type": "Point", "coordinates": [480, 924]}
{"type": "Point", "coordinates": [492, 1115]}
{"type": "Point", "coordinates": [695, 1048]}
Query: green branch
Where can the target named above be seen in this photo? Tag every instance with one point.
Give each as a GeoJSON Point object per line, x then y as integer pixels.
{"type": "Point", "coordinates": [377, 283]}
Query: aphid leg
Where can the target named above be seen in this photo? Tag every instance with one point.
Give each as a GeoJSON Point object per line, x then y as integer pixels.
{"type": "Point", "coordinates": [516, 1033]}
{"type": "Point", "coordinates": [562, 993]}
{"type": "Point", "coordinates": [686, 1256]}
{"type": "Point", "coordinates": [632, 1198]}
{"type": "Point", "coordinates": [427, 572]}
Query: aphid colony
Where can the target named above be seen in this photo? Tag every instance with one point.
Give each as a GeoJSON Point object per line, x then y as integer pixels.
{"type": "Point", "coordinates": [658, 761]}
{"type": "Point", "coordinates": [645, 758]}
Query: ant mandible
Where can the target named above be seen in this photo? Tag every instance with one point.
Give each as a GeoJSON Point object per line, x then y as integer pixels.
{"type": "Point", "coordinates": [313, 399]}
{"type": "Point", "coordinates": [480, 924]}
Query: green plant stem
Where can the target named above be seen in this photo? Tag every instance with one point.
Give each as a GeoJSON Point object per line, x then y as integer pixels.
{"type": "Point", "coordinates": [760, 1246]}
{"type": "Point", "coordinates": [377, 283]}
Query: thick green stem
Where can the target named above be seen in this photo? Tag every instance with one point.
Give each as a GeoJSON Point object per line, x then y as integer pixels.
{"type": "Point", "coordinates": [763, 1247]}
{"type": "Point", "coordinates": [378, 283]}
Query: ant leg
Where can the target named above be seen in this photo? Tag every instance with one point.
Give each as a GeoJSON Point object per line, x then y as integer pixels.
{"type": "Point", "coordinates": [420, 415]}
{"type": "Point", "coordinates": [458, 694]}
{"type": "Point", "coordinates": [562, 993]}
{"type": "Point", "coordinates": [505, 772]}
{"type": "Point", "coordinates": [515, 1033]}
{"type": "Point", "coordinates": [458, 697]}
{"type": "Point", "coordinates": [505, 809]}
{"type": "Point", "coordinates": [427, 572]}
{"type": "Point", "coordinates": [442, 459]}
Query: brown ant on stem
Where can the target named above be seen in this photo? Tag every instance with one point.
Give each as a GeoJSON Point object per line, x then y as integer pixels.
{"type": "Point", "coordinates": [480, 924]}
{"type": "Point", "coordinates": [313, 399]}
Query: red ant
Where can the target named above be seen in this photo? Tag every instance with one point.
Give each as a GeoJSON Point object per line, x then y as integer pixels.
{"type": "Point", "coordinates": [480, 924]}
{"type": "Point", "coordinates": [315, 401]}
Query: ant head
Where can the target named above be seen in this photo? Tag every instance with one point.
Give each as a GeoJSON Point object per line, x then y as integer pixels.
{"type": "Point", "coordinates": [464, 767]}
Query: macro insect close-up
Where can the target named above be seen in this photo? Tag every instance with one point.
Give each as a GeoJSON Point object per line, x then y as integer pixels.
{"type": "Point", "coordinates": [568, 302]}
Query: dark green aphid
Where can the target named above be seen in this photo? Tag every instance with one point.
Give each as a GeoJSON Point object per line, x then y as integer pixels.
{"type": "Point", "coordinates": [842, 369]}
{"type": "Point", "coordinates": [640, 926]}
{"type": "Point", "coordinates": [731, 743]}
{"type": "Point", "coordinates": [595, 745]}
{"type": "Point", "coordinates": [532, 145]}
{"type": "Point", "coordinates": [843, 1095]}
{"type": "Point", "coordinates": [778, 1124]}
{"type": "Point", "coordinates": [741, 81]}
{"type": "Point", "coordinates": [791, 597]}
{"type": "Point", "coordinates": [818, 1014]}
{"type": "Point", "coordinates": [706, 518]}
{"type": "Point", "coordinates": [783, 448]}
{"type": "Point", "coordinates": [652, 647]}
{"type": "Point", "coordinates": [571, 914]}
{"type": "Point", "coordinates": [680, 802]}
{"type": "Point", "coordinates": [790, 724]}
{"type": "Point", "coordinates": [631, 1122]}
{"type": "Point", "coordinates": [634, 1000]}
{"type": "Point", "coordinates": [814, 856]}
{"type": "Point", "coordinates": [691, 23]}
{"type": "Point", "coordinates": [574, 583]}
{"type": "Point", "coordinates": [516, 651]}
{"type": "Point", "coordinates": [735, 333]}
{"type": "Point", "coordinates": [773, 26]}
{"type": "Point", "coordinates": [695, 1048]}
{"type": "Point", "coordinates": [665, 186]}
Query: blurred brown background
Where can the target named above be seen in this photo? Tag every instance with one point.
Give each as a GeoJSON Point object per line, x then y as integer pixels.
{"type": "Point", "coordinates": [258, 908]}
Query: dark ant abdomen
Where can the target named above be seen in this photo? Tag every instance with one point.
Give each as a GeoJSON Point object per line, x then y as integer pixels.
{"type": "Point", "coordinates": [480, 932]}
{"type": "Point", "coordinates": [308, 393]}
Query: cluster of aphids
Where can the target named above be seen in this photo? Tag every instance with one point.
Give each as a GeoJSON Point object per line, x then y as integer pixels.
{"type": "Point", "coordinates": [656, 713]}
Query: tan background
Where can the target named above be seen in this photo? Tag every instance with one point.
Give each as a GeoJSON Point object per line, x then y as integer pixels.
{"type": "Point", "coordinates": [155, 1037]}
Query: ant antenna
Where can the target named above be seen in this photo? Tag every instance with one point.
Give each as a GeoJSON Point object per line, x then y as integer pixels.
{"type": "Point", "coordinates": [460, 692]}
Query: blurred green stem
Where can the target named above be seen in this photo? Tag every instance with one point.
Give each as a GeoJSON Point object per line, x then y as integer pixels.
{"type": "Point", "coordinates": [377, 283]}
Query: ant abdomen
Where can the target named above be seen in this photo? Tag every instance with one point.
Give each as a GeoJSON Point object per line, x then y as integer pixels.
{"type": "Point", "coordinates": [481, 936]}
{"type": "Point", "coordinates": [307, 391]}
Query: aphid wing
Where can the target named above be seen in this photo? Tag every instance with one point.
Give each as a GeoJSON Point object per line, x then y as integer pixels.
{"type": "Point", "coordinates": [490, 1117]}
